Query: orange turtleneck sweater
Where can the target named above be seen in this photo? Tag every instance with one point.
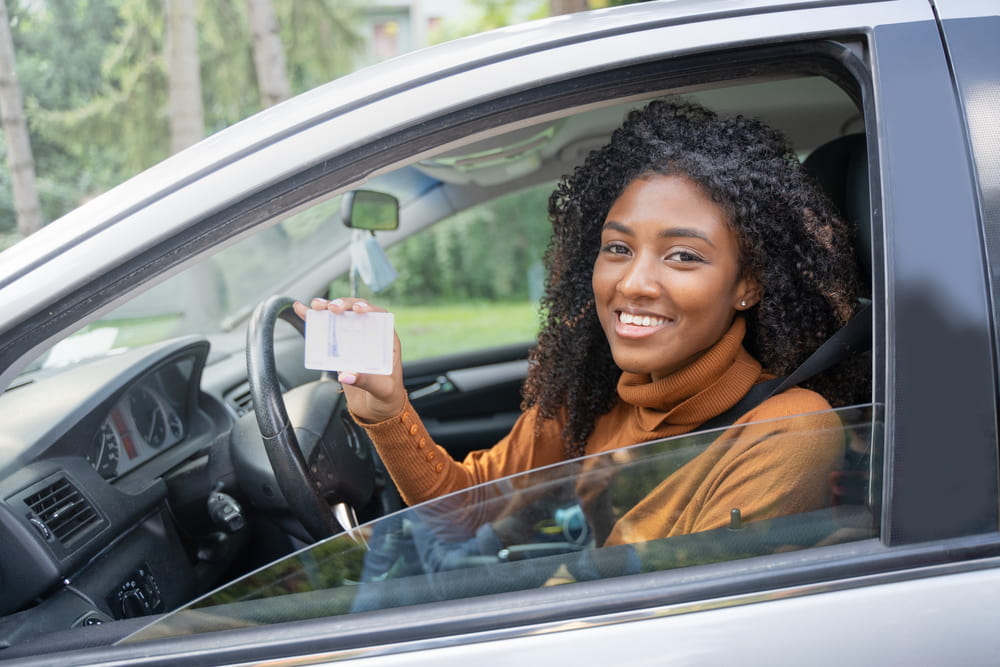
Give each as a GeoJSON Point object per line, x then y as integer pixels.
{"type": "Point", "coordinates": [777, 465]}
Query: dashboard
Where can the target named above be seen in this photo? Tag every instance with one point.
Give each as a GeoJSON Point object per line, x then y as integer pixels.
{"type": "Point", "coordinates": [119, 412]}
{"type": "Point", "coordinates": [88, 532]}
{"type": "Point", "coordinates": [108, 471]}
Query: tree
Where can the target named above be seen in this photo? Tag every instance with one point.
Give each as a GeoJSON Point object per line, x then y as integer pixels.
{"type": "Point", "coordinates": [186, 115]}
{"type": "Point", "coordinates": [558, 7]}
{"type": "Point", "coordinates": [20, 159]}
{"type": "Point", "coordinates": [116, 96]}
{"type": "Point", "coordinates": [321, 40]}
{"type": "Point", "coordinates": [268, 53]}
{"type": "Point", "coordinates": [61, 45]}
{"type": "Point", "coordinates": [98, 79]}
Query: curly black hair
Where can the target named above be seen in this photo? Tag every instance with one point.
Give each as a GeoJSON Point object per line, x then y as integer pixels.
{"type": "Point", "coordinates": [791, 241]}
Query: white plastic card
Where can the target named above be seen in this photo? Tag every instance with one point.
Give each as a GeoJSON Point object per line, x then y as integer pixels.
{"type": "Point", "coordinates": [352, 342]}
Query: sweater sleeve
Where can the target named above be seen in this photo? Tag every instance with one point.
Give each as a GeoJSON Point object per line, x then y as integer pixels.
{"type": "Point", "coordinates": [423, 470]}
{"type": "Point", "coordinates": [774, 462]}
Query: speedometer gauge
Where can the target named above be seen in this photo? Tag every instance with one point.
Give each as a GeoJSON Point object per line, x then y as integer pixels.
{"type": "Point", "coordinates": [149, 416]}
{"type": "Point", "coordinates": [104, 450]}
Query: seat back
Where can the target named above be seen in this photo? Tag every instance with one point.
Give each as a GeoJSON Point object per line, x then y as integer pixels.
{"type": "Point", "coordinates": [840, 168]}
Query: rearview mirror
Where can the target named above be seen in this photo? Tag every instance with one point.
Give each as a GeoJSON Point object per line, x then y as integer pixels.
{"type": "Point", "coordinates": [367, 209]}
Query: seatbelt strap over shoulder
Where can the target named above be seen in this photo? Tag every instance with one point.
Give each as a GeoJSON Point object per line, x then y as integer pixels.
{"type": "Point", "coordinates": [853, 337]}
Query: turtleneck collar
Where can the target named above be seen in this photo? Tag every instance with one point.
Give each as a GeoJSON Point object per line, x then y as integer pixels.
{"type": "Point", "coordinates": [711, 384]}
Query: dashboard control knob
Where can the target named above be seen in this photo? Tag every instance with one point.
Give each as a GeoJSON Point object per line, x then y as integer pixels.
{"type": "Point", "coordinates": [134, 604]}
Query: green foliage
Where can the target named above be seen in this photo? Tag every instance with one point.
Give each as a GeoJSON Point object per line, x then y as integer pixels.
{"type": "Point", "coordinates": [321, 40]}
{"type": "Point", "coordinates": [94, 81]}
{"type": "Point", "coordinates": [95, 88]}
{"type": "Point", "coordinates": [470, 281]}
{"type": "Point", "coordinates": [228, 82]}
{"type": "Point", "coordinates": [599, 4]}
{"type": "Point", "coordinates": [95, 93]}
{"type": "Point", "coordinates": [60, 49]}
{"type": "Point", "coordinates": [8, 220]}
{"type": "Point", "coordinates": [492, 14]}
{"type": "Point", "coordinates": [487, 253]}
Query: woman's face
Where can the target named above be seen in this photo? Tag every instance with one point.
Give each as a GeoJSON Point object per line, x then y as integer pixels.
{"type": "Point", "coordinates": [667, 278]}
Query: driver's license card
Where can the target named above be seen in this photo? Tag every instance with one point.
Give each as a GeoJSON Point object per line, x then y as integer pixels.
{"type": "Point", "coordinates": [353, 342]}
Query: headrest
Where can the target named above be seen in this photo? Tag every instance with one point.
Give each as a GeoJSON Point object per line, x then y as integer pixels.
{"type": "Point", "coordinates": [840, 167]}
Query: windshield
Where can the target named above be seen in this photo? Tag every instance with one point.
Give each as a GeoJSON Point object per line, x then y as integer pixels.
{"type": "Point", "coordinates": [571, 522]}
{"type": "Point", "coordinates": [215, 295]}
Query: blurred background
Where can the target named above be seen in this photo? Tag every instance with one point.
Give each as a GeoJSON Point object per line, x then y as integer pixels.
{"type": "Point", "coordinates": [94, 91]}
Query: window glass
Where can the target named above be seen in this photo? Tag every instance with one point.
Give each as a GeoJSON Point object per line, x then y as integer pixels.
{"type": "Point", "coordinates": [623, 512]}
{"type": "Point", "coordinates": [216, 294]}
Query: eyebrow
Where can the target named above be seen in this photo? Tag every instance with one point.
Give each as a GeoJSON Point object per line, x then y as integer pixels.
{"type": "Point", "coordinates": [669, 232]}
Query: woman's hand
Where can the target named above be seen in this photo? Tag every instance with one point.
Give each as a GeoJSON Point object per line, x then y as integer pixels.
{"type": "Point", "coordinates": [372, 398]}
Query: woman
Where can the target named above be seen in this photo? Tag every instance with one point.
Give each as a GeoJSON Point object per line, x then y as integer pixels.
{"type": "Point", "coordinates": [691, 258]}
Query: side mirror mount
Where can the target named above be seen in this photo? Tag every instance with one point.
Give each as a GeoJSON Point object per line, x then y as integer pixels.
{"type": "Point", "coordinates": [369, 210]}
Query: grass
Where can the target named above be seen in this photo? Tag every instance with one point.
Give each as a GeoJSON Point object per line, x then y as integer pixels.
{"type": "Point", "coordinates": [137, 331]}
{"type": "Point", "coordinates": [425, 331]}
{"type": "Point", "coordinates": [428, 331]}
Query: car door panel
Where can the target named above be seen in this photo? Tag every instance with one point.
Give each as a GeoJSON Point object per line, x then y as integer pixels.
{"type": "Point", "coordinates": [471, 400]}
{"type": "Point", "coordinates": [937, 321]}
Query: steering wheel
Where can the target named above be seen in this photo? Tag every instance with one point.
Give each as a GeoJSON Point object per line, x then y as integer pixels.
{"type": "Point", "coordinates": [319, 461]}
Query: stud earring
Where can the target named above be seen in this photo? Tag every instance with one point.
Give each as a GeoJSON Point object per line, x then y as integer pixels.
{"type": "Point", "coordinates": [743, 304]}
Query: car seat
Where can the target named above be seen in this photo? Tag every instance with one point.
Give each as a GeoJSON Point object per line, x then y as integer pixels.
{"type": "Point", "coordinates": [840, 168]}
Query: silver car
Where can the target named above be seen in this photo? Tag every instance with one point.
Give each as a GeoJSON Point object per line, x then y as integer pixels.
{"type": "Point", "coordinates": [177, 488]}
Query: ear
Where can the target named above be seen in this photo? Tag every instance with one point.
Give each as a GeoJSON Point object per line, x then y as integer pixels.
{"type": "Point", "coordinates": [748, 294]}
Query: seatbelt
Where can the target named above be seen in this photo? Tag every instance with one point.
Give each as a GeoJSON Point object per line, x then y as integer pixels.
{"type": "Point", "coordinates": [854, 336]}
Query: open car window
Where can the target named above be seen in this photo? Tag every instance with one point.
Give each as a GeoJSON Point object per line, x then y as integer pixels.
{"type": "Point", "coordinates": [470, 281]}
{"type": "Point", "coordinates": [581, 520]}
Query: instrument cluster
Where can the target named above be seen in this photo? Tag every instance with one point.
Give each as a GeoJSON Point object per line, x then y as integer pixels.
{"type": "Point", "coordinates": [142, 423]}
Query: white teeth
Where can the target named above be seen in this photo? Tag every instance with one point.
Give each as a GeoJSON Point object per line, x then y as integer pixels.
{"type": "Point", "coordinates": [640, 320]}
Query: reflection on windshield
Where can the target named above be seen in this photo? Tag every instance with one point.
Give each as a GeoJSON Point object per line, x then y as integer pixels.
{"type": "Point", "coordinates": [552, 526]}
{"type": "Point", "coordinates": [216, 294]}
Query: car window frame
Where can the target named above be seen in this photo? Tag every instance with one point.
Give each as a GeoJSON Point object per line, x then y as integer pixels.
{"type": "Point", "coordinates": [899, 554]}
{"type": "Point", "coordinates": [688, 589]}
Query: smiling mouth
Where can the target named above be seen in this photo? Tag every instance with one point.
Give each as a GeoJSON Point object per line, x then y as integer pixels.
{"type": "Point", "coordinates": [641, 320]}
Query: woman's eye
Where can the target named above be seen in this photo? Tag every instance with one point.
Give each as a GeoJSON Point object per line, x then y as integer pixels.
{"type": "Point", "coordinates": [615, 248]}
{"type": "Point", "coordinates": [684, 256]}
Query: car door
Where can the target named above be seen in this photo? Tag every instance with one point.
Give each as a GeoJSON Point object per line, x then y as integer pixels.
{"type": "Point", "coordinates": [934, 424]}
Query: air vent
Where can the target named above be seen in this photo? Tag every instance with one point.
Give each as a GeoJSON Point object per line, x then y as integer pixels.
{"type": "Point", "coordinates": [62, 510]}
{"type": "Point", "coordinates": [241, 400]}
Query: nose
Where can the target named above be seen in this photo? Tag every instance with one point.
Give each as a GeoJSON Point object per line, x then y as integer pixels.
{"type": "Point", "coordinates": [640, 278]}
